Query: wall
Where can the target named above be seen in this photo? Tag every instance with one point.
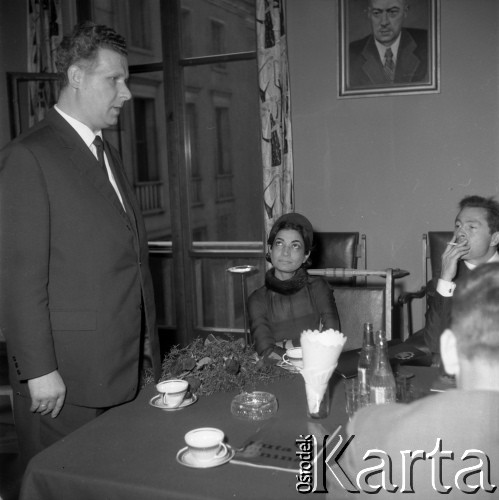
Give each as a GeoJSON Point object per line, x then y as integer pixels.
{"type": "Point", "coordinates": [394, 167]}
{"type": "Point", "coordinates": [13, 49]}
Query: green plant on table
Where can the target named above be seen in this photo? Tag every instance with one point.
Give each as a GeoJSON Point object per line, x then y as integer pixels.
{"type": "Point", "coordinates": [217, 364]}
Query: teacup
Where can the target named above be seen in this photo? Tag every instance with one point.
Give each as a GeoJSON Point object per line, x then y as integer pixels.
{"type": "Point", "coordinates": [173, 391]}
{"type": "Point", "coordinates": [206, 444]}
{"type": "Point", "coordinates": [294, 357]}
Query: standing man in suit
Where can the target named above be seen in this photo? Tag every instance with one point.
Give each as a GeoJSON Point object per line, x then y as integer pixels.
{"type": "Point", "coordinates": [391, 54]}
{"type": "Point", "coordinates": [444, 445]}
{"type": "Point", "coordinates": [76, 296]}
{"type": "Point", "coordinates": [475, 240]}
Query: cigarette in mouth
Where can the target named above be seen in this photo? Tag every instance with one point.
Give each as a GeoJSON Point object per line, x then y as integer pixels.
{"type": "Point", "coordinates": [451, 243]}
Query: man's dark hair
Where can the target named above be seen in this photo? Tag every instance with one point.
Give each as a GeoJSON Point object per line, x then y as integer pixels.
{"type": "Point", "coordinates": [82, 45]}
{"type": "Point", "coordinates": [475, 313]}
{"type": "Point", "coordinates": [489, 204]}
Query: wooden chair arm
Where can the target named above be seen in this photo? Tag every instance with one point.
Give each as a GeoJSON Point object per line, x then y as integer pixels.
{"type": "Point", "coordinates": [406, 297]}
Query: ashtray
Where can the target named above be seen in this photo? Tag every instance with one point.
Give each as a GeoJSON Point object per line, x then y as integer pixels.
{"type": "Point", "coordinates": [255, 405]}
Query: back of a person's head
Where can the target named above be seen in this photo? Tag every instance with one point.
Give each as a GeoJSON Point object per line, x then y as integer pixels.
{"type": "Point", "coordinates": [83, 43]}
{"type": "Point", "coordinates": [475, 314]}
{"type": "Point", "coordinates": [490, 205]}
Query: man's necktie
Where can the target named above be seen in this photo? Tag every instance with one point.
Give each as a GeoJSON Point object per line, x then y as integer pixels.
{"type": "Point", "coordinates": [389, 65]}
{"type": "Point", "coordinates": [99, 146]}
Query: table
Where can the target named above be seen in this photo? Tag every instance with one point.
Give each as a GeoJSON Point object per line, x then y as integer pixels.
{"type": "Point", "coordinates": [129, 453]}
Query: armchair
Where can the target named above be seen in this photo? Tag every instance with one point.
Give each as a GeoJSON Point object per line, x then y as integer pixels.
{"type": "Point", "coordinates": [433, 245]}
{"type": "Point", "coordinates": [359, 304]}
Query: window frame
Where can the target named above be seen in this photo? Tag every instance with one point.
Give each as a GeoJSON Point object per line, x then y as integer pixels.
{"type": "Point", "coordinates": [186, 253]}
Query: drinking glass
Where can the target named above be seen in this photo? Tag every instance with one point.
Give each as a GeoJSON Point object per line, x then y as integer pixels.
{"type": "Point", "coordinates": [352, 396]}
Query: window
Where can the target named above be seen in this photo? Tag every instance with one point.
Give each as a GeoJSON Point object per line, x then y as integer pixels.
{"type": "Point", "coordinates": [222, 155]}
{"type": "Point", "coordinates": [190, 141]}
{"type": "Point", "coordinates": [217, 37]}
{"type": "Point", "coordinates": [223, 147]}
{"type": "Point", "coordinates": [187, 50]}
{"type": "Point", "coordinates": [140, 24]}
{"type": "Point", "coordinates": [145, 139]}
{"type": "Point", "coordinates": [218, 40]}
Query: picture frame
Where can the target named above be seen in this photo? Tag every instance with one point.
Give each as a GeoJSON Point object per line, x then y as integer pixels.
{"type": "Point", "coordinates": [30, 95]}
{"type": "Point", "coordinates": [361, 72]}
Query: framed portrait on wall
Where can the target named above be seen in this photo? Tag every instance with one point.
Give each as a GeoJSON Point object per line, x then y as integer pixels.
{"type": "Point", "coordinates": [388, 47]}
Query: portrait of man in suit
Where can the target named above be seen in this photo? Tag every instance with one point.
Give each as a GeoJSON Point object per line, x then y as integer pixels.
{"type": "Point", "coordinates": [383, 48]}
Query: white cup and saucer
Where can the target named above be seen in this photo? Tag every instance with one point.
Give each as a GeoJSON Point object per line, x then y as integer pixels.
{"type": "Point", "coordinates": [172, 395]}
{"type": "Point", "coordinates": [293, 359]}
{"type": "Point", "coordinates": [205, 448]}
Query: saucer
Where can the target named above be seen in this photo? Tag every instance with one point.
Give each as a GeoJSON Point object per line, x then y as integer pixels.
{"type": "Point", "coordinates": [157, 402]}
{"type": "Point", "coordinates": [289, 367]}
{"type": "Point", "coordinates": [184, 457]}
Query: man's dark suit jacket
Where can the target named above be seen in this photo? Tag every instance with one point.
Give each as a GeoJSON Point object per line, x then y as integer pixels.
{"type": "Point", "coordinates": [438, 312]}
{"type": "Point", "coordinates": [438, 315]}
{"type": "Point", "coordinates": [365, 67]}
{"type": "Point", "coordinates": [74, 268]}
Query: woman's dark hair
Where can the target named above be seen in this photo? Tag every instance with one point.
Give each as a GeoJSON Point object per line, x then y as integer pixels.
{"type": "Point", "coordinates": [298, 223]}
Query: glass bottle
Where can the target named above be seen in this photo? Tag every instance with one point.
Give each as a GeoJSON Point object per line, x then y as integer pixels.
{"type": "Point", "coordinates": [366, 362]}
{"type": "Point", "coordinates": [383, 388]}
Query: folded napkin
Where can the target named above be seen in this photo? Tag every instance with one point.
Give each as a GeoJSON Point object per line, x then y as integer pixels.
{"type": "Point", "coordinates": [321, 351]}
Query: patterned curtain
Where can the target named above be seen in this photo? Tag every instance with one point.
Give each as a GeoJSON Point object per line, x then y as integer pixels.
{"type": "Point", "coordinates": [44, 34]}
{"type": "Point", "coordinates": [277, 152]}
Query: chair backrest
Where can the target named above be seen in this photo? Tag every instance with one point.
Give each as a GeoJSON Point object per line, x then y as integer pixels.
{"type": "Point", "coordinates": [433, 246]}
{"type": "Point", "coordinates": [334, 250]}
{"type": "Point", "coordinates": [356, 306]}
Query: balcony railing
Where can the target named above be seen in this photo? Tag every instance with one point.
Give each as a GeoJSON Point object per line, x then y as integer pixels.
{"type": "Point", "coordinates": [150, 196]}
{"type": "Point", "coordinates": [218, 293]}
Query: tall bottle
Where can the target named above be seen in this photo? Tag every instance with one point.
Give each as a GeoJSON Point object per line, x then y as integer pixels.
{"type": "Point", "coordinates": [366, 361]}
{"type": "Point", "coordinates": [383, 389]}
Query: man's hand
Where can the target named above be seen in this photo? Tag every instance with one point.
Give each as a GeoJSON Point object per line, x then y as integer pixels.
{"type": "Point", "coordinates": [452, 254]}
{"type": "Point", "coordinates": [47, 394]}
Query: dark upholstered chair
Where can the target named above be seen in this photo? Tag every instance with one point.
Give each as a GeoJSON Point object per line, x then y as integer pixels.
{"type": "Point", "coordinates": [433, 246]}
{"type": "Point", "coordinates": [356, 306]}
{"type": "Point", "coordinates": [336, 250]}
{"type": "Point", "coordinates": [360, 304]}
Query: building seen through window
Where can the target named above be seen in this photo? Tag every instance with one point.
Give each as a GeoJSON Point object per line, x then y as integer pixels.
{"type": "Point", "coordinates": [220, 141]}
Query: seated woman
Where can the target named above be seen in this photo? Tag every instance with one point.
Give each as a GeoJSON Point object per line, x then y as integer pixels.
{"type": "Point", "coordinates": [291, 301]}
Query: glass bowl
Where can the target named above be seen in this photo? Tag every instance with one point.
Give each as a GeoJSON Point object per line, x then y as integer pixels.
{"type": "Point", "coordinates": [255, 405]}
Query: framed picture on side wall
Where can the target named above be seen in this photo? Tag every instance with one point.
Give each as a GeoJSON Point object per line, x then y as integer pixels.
{"type": "Point", "coordinates": [388, 47]}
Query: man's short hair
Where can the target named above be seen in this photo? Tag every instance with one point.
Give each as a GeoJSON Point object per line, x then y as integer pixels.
{"type": "Point", "coordinates": [82, 45]}
{"type": "Point", "coordinates": [370, 4]}
{"type": "Point", "coordinates": [475, 313]}
{"type": "Point", "coordinates": [489, 204]}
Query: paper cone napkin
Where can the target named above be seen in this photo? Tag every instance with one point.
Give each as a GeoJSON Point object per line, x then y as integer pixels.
{"type": "Point", "coordinates": [315, 394]}
{"type": "Point", "coordinates": [321, 351]}
{"type": "Point", "coordinates": [316, 383]}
